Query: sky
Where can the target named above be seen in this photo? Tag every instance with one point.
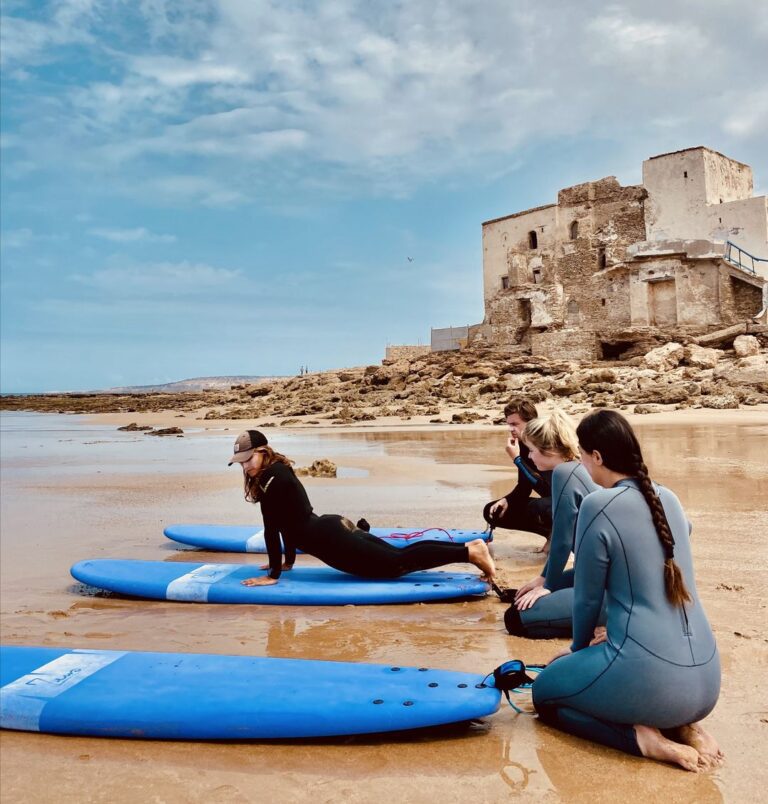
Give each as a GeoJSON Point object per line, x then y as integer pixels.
{"type": "Point", "coordinates": [242, 187]}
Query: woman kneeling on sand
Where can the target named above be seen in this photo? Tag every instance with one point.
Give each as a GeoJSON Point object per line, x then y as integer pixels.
{"type": "Point", "coordinates": [286, 510]}
{"type": "Point", "coordinates": [543, 607]}
{"type": "Point", "coordinates": [643, 686]}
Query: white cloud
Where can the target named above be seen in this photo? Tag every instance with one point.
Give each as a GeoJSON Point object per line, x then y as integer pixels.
{"type": "Point", "coordinates": [182, 278]}
{"type": "Point", "coordinates": [17, 238]}
{"type": "Point", "coordinates": [388, 94]}
{"type": "Point", "coordinates": [139, 234]}
{"type": "Point", "coordinates": [175, 72]}
{"type": "Point", "coordinates": [32, 42]}
{"type": "Point", "coordinates": [183, 188]}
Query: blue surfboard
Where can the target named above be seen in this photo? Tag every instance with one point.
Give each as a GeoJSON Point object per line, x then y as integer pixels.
{"type": "Point", "coordinates": [189, 696]}
{"type": "Point", "coordinates": [250, 538]}
{"type": "Point", "coordinates": [301, 586]}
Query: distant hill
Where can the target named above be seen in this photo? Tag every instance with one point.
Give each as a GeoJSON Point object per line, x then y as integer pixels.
{"type": "Point", "coordinates": [194, 384]}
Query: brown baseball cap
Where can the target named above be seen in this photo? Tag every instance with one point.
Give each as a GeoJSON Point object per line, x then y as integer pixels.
{"type": "Point", "coordinates": [246, 444]}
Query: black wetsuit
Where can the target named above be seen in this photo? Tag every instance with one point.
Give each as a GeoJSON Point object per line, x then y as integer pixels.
{"type": "Point", "coordinates": [333, 539]}
{"type": "Point", "coordinates": [533, 514]}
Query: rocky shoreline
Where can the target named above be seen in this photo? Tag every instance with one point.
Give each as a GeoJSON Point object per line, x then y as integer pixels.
{"type": "Point", "coordinates": [459, 387]}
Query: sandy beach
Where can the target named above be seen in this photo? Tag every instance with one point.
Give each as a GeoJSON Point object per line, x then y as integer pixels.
{"type": "Point", "coordinates": [75, 488]}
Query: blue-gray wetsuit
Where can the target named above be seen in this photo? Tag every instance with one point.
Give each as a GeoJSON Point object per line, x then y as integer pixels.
{"type": "Point", "coordinates": [659, 666]}
{"type": "Point", "coordinates": [551, 615]}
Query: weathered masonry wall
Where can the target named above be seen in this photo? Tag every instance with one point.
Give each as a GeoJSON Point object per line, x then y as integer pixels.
{"type": "Point", "coordinates": [406, 352]}
{"type": "Point", "coordinates": [615, 263]}
{"type": "Point", "coordinates": [699, 194]}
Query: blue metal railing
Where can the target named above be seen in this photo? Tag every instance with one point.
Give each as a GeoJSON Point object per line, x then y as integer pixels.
{"type": "Point", "coordinates": [742, 259]}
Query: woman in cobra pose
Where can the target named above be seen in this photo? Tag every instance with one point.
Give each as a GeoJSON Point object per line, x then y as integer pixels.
{"type": "Point", "coordinates": [269, 480]}
{"type": "Point", "coordinates": [643, 686]}
{"type": "Point", "coordinates": [543, 607]}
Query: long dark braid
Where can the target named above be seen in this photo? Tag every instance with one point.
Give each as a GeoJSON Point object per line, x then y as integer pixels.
{"type": "Point", "coordinates": [612, 436]}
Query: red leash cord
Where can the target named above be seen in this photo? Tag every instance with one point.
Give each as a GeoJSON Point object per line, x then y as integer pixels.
{"type": "Point", "coordinates": [416, 533]}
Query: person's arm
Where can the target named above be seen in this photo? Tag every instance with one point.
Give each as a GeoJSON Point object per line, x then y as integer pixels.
{"type": "Point", "coordinates": [591, 571]}
{"type": "Point", "coordinates": [271, 501]}
{"type": "Point", "coordinates": [289, 548]}
{"type": "Point", "coordinates": [528, 477]}
{"type": "Point", "coordinates": [565, 508]}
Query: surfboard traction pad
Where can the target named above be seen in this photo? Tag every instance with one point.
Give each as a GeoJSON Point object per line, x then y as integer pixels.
{"type": "Point", "coordinates": [134, 694]}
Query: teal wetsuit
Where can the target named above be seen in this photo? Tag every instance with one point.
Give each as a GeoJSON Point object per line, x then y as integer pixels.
{"type": "Point", "coordinates": [551, 615]}
{"type": "Point", "coordinates": [659, 666]}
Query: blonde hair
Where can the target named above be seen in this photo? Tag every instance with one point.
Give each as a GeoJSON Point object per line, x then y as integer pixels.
{"type": "Point", "coordinates": [553, 433]}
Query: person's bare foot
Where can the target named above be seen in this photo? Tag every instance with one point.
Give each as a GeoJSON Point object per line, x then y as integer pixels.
{"type": "Point", "coordinates": [654, 745]}
{"type": "Point", "coordinates": [695, 735]}
{"type": "Point", "coordinates": [480, 556]}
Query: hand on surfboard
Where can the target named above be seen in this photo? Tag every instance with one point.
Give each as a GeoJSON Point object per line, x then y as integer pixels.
{"type": "Point", "coordinates": [262, 580]}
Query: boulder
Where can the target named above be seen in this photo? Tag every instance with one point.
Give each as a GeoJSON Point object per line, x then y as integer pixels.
{"type": "Point", "coordinates": [167, 431]}
{"type": "Point", "coordinates": [644, 409]}
{"type": "Point", "coordinates": [263, 389]}
{"type": "Point", "coordinates": [720, 402]}
{"type": "Point", "coordinates": [746, 346]}
{"type": "Point", "coordinates": [665, 357]}
{"type": "Point", "coordinates": [752, 370]}
{"type": "Point", "coordinates": [701, 357]}
{"type": "Point", "coordinates": [320, 468]}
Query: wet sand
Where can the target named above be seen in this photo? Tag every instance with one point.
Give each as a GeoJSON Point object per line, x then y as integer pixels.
{"type": "Point", "coordinates": [90, 492]}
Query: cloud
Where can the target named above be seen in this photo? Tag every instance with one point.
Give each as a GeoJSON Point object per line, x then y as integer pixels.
{"type": "Point", "coordinates": [156, 279]}
{"type": "Point", "coordinates": [261, 95]}
{"type": "Point", "coordinates": [17, 238]}
{"type": "Point", "coordinates": [32, 42]}
{"type": "Point", "coordinates": [175, 72]}
{"type": "Point", "coordinates": [139, 234]}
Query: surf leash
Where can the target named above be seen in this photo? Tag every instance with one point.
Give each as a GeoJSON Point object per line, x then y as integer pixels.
{"type": "Point", "coordinates": [416, 533]}
{"type": "Point", "coordinates": [512, 676]}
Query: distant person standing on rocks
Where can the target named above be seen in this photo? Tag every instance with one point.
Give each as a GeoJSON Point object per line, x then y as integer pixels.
{"type": "Point", "coordinates": [518, 510]}
{"type": "Point", "coordinates": [270, 481]}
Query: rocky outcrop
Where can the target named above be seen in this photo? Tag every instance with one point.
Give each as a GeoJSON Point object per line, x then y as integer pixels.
{"type": "Point", "coordinates": [319, 468]}
{"type": "Point", "coordinates": [464, 386]}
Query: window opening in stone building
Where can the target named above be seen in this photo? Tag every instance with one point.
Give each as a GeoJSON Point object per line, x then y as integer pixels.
{"type": "Point", "coordinates": [573, 317]}
{"type": "Point", "coordinates": [603, 301]}
{"type": "Point", "coordinates": [536, 276]}
{"type": "Point", "coordinates": [533, 240]}
{"type": "Point", "coordinates": [615, 350]}
{"type": "Point", "coordinates": [601, 258]}
{"type": "Point", "coordinates": [685, 174]}
{"type": "Point", "coordinates": [574, 230]}
{"type": "Point", "coordinates": [505, 283]}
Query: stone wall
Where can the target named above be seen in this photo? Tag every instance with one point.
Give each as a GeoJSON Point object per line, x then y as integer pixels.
{"type": "Point", "coordinates": [565, 344]}
{"type": "Point", "coordinates": [406, 352]}
{"type": "Point", "coordinates": [608, 259]}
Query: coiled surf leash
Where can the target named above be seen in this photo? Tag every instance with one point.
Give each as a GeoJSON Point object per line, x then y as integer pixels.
{"type": "Point", "coordinates": [512, 677]}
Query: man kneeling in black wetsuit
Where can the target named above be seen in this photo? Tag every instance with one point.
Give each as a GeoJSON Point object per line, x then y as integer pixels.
{"type": "Point", "coordinates": [518, 510]}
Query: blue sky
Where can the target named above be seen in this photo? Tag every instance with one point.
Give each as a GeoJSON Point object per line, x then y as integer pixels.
{"type": "Point", "coordinates": [216, 187]}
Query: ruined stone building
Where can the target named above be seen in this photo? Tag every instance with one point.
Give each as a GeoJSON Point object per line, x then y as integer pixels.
{"type": "Point", "coordinates": [686, 251]}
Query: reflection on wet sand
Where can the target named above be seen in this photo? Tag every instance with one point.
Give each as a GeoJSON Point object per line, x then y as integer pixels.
{"type": "Point", "coordinates": [417, 478]}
